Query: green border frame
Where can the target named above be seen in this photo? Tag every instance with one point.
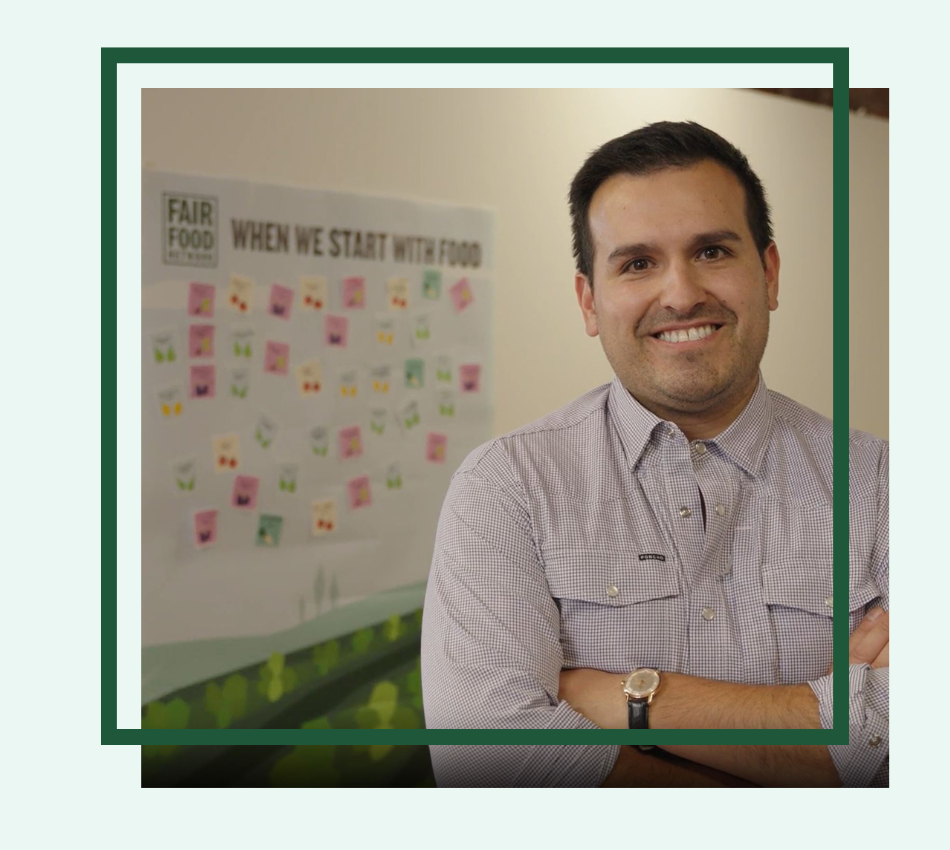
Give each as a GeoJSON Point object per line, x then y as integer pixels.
{"type": "Point", "coordinates": [111, 58]}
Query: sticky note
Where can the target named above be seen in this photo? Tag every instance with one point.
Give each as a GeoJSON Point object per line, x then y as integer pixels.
{"type": "Point", "coordinates": [377, 421]}
{"type": "Point", "coordinates": [446, 404]}
{"type": "Point", "coordinates": [432, 284]}
{"type": "Point", "coordinates": [239, 294]}
{"type": "Point", "coordinates": [170, 401]}
{"type": "Point", "coordinates": [358, 491]}
{"type": "Point", "coordinates": [350, 442]}
{"type": "Point", "coordinates": [348, 384]}
{"type": "Point", "coordinates": [202, 381]}
{"type": "Point", "coordinates": [244, 492]}
{"type": "Point", "coordinates": [323, 517]}
{"type": "Point", "coordinates": [200, 299]}
{"type": "Point", "coordinates": [393, 477]}
{"type": "Point", "coordinates": [435, 447]}
{"type": "Point", "coordinates": [242, 338]}
{"type": "Point", "coordinates": [268, 530]}
{"type": "Point", "coordinates": [226, 449]}
{"type": "Point", "coordinates": [397, 289]}
{"type": "Point", "coordinates": [276, 357]}
{"type": "Point", "coordinates": [265, 431]}
{"type": "Point", "coordinates": [313, 293]}
{"type": "Point", "coordinates": [206, 529]}
{"type": "Point", "coordinates": [415, 374]}
{"type": "Point", "coordinates": [380, 377]}
{"type": "Point", "coordinates": [462, 296]}
{"type": "Point", "coordinates": [201, 341]}
{"type": "Point", "coordinates": [309, 378]}
{"type": "Point", "coordinates": [164, 346]}
{"type": "Point", "coordinates": [423, 330]}
{"type": "Point", "coordinates": [240, 381]}
{"type": "Point", "coordinates": [470, 377]}
{"type": "Point", "coordinates": [287, 478]}
{"type": "Point", "coordinates": [410, 415]}
{"type": "Point", "coordinates": [319, 438]}
{"type": "Point", "coordinates": [281, 301]}
{"type": "Point", "coordinates": [443, 370]}
{"type": "Point", "coordinates": [384, 331]}
{"type": "Point", "coordinates": [336, 331]}
{"type": "Point", "coordinates": [185, 474]}
{"type": "Point", "coordinates": [354, 293]}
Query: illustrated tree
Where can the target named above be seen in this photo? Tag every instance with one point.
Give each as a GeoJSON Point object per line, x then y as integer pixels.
{"type": "Point", "coordinates": [228, 703]}
{"type": "Point", "coordinates": [275, 678]}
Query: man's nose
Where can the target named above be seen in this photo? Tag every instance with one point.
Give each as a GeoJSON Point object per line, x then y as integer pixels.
{"type": "Point", "coordinates": [682, 290]}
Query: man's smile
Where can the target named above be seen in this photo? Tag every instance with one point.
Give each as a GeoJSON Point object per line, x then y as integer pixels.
{"type": "Point", "coordinates": [687, 337]}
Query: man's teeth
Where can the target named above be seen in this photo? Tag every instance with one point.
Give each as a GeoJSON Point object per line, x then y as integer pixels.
{"type": "Point", "coordinates": [686, 334]}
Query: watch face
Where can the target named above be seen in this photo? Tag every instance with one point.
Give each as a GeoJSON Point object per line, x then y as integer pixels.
{"type": "Point", "coordinates": [641, 683]}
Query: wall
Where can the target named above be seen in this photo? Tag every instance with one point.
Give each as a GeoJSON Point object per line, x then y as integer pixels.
{"type": "Point", "coordinates": [516, 151]}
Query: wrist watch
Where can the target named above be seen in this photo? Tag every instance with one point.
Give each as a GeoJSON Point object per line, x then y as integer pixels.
{"type": "Point", "coordinates": [639, 688]}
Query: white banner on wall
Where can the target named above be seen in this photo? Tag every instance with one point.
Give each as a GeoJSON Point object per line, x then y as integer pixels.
{"type": "Point", "coordinates": [315, 365]}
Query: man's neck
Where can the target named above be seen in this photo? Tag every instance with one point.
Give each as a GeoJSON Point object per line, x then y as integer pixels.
{"type": "Point", "coordinates": [704, 424]}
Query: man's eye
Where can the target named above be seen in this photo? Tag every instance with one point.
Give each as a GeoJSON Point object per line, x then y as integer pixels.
{"type": "Point", "coordinates": [639, 265]}
{"type": "Point", "coordinates": [713, 252]}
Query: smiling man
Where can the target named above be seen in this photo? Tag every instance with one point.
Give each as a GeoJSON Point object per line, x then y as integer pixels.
{"type": "Point", "coordinates": [658, 554]}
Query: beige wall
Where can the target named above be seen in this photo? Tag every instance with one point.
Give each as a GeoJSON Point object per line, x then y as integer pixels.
{"type": "Point", "coordinates": [515, 151]}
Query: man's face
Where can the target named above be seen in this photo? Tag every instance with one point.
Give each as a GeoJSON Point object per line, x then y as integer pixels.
{"type": "Point", "coordinates": [680, 298]}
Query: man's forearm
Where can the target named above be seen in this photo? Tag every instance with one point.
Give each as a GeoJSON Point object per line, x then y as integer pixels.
{"type": "Point", "coordinates": [636, 769]}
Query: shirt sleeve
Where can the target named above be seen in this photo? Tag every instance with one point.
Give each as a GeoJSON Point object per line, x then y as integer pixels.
{"type": "Point", "coordinates": [864, 761]}
{"type": "Point", "coordinates": [491, 651]}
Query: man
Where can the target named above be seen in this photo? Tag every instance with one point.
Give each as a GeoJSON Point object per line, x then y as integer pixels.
{"type": "Point", "coordinates": [658, 554]}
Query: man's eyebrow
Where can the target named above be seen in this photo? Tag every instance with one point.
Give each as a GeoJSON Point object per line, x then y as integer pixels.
{"type": "Point", "coordinates": [695, 243]}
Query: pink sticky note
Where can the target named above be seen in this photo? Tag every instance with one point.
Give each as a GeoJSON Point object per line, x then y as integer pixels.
{"type": "Point", "coordinates": [351, 442]}
{"type": "Point", "coordinates": [435, 447]}
{"type": "Point", "coordinates": [461, 294]}
{"type": "Point", "coordinates": [244, 492]}
{"type": "Point", "coordinates": [200, 299]}
{"type": "Point", "coordinates": [359, 492]}
{"type": "Point", "coordinates": [470, 377]}
{"type": "Point", "coordinates": [202, 381]}
{"type": "Point", "coordinates": [201, 340]}
{"type": "Point", "coordinates": [354, 293]}
{"type": "Point", "coordinates": [281, 301]}
{"type": "Point", "coordinates": [336, 331]}
{"type": "Point", "coordinates": [276, 357]}
{"type": "Point", "coordinates": [206, 529]}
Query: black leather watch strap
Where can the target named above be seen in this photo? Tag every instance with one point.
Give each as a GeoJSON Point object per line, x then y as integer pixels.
{"type": "Point", "coordinates": [637, 713]}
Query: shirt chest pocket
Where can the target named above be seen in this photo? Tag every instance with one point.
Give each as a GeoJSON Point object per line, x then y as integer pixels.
{"type": "Point", "coordinates": [617, 613]}
{"type": "Point", "coordinates": [801, 606]}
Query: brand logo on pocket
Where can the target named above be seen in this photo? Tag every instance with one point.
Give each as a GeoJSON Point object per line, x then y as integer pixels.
{"type": "Point", "coordinates": [652, 556]}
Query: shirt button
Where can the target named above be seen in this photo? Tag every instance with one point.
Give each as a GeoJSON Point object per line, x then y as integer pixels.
{"type": "Point", "coordinates": [874, 741]}
{"type": "Point", "coordinates": [612, 591]}
{"type": "Point", "coordinates": [700, 448]}
{"type": "Point", "coordinates": [684, 512]}
{"type": "Point", "coordinates": [720, 510]}
{"type": "Point", "coordinates": [829, 601]}
{"type": "Point", "coordinates": [708, 613]}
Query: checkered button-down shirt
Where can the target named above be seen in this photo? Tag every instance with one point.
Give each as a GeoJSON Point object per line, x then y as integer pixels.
{"type": "Point", "coordinates": [601, 537]}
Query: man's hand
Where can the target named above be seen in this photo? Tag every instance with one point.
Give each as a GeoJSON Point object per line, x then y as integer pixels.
{"type": "Point", "coordinates": [869, 642]}
{"type": "Point", "coordinates": [597, 695]}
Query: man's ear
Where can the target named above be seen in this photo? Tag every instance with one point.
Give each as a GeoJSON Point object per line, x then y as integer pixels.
{"type": "Point", "coordinates": [772, 263]}
{"type": "Point", "coordinates": [585, 298]}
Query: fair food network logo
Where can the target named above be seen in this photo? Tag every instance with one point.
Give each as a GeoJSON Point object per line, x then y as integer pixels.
{"type": "Point", "coordinates": [189, 230]}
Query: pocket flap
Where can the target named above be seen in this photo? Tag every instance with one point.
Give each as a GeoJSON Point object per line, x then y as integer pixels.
{"type": "Point", "coordinates": [593, 576]}
{"type": "Point", "coordinates": [808, 589]}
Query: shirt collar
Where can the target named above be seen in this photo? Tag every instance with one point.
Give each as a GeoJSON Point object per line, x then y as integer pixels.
{"type": "Point", "coordinates": [744, 441]}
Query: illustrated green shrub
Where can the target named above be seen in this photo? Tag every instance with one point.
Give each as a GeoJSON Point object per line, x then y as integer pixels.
{"type": "Point", "coordinates": [413, 685]}
{"type": "Point", "coordinates": [417, 618]}
{"type": "Point", "coordinates": [159, 715]}
{"type": "Point", "coordinates": [276, 679]}
{"type": "Point", "coordinates": [229, 703]}
{"type": "Point", "coordinates": [326, 656]}
{"type": "Point", "coordinates": [393, 628]}
{"type": "Point", "coordinates": [307, 766]}
{"type": "Point", "coordinates": [383, 703]}
{"type": "Point", "coordinates": [362, 640]}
